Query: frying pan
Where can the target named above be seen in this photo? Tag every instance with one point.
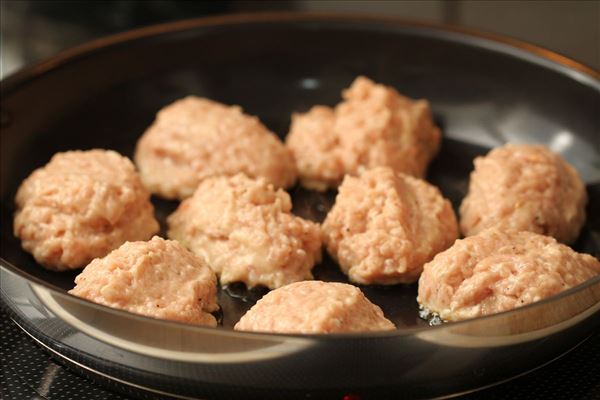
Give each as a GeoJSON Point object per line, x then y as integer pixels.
{"type": "Point", "coordinates": [484, 91]}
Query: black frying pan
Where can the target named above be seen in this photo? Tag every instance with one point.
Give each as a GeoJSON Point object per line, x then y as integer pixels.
{"type": "Point", "coordinates": [484, 91]}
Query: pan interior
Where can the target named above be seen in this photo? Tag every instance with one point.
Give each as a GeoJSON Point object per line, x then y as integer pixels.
{"type": "Point", "coordinates": [480, 98]}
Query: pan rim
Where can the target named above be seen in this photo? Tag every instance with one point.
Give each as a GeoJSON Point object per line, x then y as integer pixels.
{"type": "Point", "coordinates": [92, 370]}
{"type": "Point", "coordinates": [595, 281]}
{"type": "Point", "coordinates": [538, 54]}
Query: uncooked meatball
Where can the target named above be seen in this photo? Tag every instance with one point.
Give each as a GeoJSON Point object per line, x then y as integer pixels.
{"type": "Point", "coordinates": [244, 229]}
{"type": "Point", "coordinates": [384, 226]}
{"type": "Point", "coordinates": [80, 206]}
{"type": "Point", "coordinates": [524, 188]}
{"type": "Point", "coordinates": [374, 126]}
{"type": "Point", "coordinates": [195, 138]}
{"type": "Point", "coordinates": [159, 278]}
{"type": "Point", "coordinates": [314, 307]}
{"type": "Point", "coordinates": [495, 271]}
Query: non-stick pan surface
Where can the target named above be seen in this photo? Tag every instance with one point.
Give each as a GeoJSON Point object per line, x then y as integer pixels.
{"type": "Point", "coordinates": [483, 93]}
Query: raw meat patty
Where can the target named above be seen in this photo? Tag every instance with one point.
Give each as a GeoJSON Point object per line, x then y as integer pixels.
{"type": "Point", "coordinates": [244, 229]}
{"type": "Point", "coordinates": [80, 206]}
{"type": "Point", "coordinates": [159, 278]}
{"type": "Point", "coordinates": [524, 188]}
{"type": "Point", "coordinates": [194, 138]}
{"type": "Point", "coordinates": [384, 226]}
{"type": "Point", "coordinates": [373, 126]}
{"type": "Point", "coordinates": [314, 307]}
{"type": "Point", "coordinates": [496, 271]}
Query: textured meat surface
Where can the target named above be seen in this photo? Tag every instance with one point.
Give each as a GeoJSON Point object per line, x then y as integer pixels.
{"type": "Point", "coordinates": [80, 206]}
{"type": "Point", "coordinates": [195, 138]}
{"type": "Point", "coordinates": [384, 226]}
{"type": "Point", "coordinates": [524, 188]}
{"type": "Point", "coordinates": [373, 126]}
{"type": "Point", "coordinates": [496, 271]}
{"type": "Point", "coordinates": [159, 278]}
{"type": "Point", "coordinates": [314, 307]}
{"type": "Point", "coordinates": [244, 229]}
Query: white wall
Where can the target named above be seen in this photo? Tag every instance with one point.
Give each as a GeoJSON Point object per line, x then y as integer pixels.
{"type": "Point", "coordinates": [571, 28]}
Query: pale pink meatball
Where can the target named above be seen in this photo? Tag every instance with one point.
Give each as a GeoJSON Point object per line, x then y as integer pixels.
{"type": "Point", "coordinates": [159, 278]}
{"type": "Point", "coordinates": [524, 188]}
{"type": "Point", "coordinates": [384, 226]}
{"type": "Point", "coordinates": [495, 271]}
{"type": "Point", "coordinates": [374, 126]}
{"type": "Point", "coordinates": [244, 229]}
{"type": "Point", "coordinates": [195, 138]}
{"type": "Point", "coordinates": [314, 307]}
{"type": "Point", "coordinates": [80, 206]}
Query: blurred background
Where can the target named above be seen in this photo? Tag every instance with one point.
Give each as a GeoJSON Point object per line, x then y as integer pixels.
{"type": "Point", "coordinates": [32, 30]}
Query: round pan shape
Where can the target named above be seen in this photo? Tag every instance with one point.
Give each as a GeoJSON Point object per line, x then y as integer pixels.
{"type": "Point", "coordinates": [483, 90]}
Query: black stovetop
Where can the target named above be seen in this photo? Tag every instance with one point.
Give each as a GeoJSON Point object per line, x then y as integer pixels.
{"type": "Point", "coordinates": [28, 372]}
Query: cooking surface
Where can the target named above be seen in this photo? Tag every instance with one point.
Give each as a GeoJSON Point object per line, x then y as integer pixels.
{"type": "Point", "coordinates": [449, 171]}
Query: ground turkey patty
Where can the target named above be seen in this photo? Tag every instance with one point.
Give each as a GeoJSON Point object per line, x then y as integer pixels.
{"type": "Point", "coordinates": [158, 278]}
{"type": "Point", "coordinates": [194, 138]}
{"type": "Point", "coordinates": [244, 229]}
{"type": "Point", "coordinates": [496, 271]}
{"type": "Point", "coordinates": [384, 226]}
{"type": "Point", "coordinates": [373, 126]}
{"type": "Point", "coordinates": [80, 206]}
{"type": "Point", "coordinates": [524, 188]}
{"type": "Point", "coordinates": [314, 307]}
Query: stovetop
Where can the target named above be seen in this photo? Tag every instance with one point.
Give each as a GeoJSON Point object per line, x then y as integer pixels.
{"type": "Point", "coordinates": [28, 372]}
